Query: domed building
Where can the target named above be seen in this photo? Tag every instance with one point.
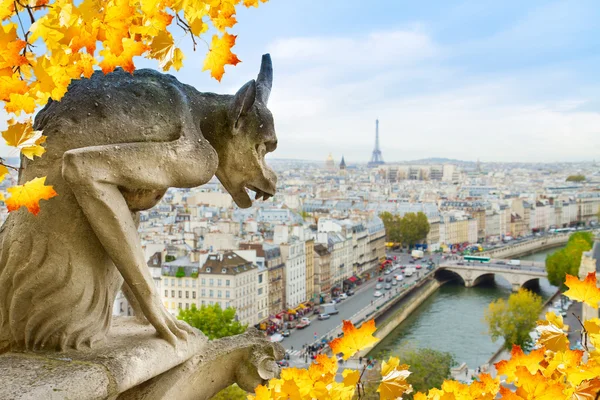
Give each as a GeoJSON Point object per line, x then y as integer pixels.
{"type": "Point", "coordinates": [329, 163]}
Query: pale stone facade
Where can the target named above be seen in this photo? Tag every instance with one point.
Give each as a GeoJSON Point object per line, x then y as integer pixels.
{"type": "Point", "coordinates": [294, 257]}
{"type": "Point", "coordinates": [310, 269]}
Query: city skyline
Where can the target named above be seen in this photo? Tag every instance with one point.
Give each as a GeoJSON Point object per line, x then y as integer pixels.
{"type": "Point", "coordinates": [508, 82]}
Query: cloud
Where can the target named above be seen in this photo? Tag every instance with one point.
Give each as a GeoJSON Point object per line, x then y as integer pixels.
{"type": "Point", "coordinates": [329, 90]}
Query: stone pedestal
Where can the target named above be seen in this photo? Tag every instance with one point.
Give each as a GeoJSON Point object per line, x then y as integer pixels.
{"type": "Point", "coordinates": [136, 363]}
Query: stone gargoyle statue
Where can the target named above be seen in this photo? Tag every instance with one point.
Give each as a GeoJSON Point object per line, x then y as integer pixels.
{"type": "Point", "coordinates": [115, 144]}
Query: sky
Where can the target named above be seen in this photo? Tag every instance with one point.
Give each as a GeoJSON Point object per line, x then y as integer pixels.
{"type": "Point", "coordinates": [489, 80]}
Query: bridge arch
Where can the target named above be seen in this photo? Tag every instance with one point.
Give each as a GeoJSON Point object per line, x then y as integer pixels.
{"type": "Point", "coordinates": [473, 276]}
{"type": "Point", "coordinates": [446, 275]}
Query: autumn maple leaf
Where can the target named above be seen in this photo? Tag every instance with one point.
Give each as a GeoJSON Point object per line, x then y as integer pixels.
{"type": "Point", "coordinates": [354, 339]}
{"type": "Point", "coordinates": [517, 358]}
{"type": "Point", "coordinates": [22, 136]}
{"type": "Point", "coordinates": [220, 55]}
{"type": "Point", "coordinates": [552, 332]}
{"type": "Point", "coordinates": [29, 195]}
{"type": "Point", "coordinates": [585, 291]}
{"type": "Point", "coordinates": [393, 379]}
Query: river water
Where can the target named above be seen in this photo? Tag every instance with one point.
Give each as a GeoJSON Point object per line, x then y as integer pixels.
{"type": "Point", "coordinates": [452, 320]}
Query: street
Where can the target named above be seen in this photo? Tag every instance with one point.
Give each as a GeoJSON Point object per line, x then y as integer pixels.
{"type": "Point", "coordinates": [363, 297]}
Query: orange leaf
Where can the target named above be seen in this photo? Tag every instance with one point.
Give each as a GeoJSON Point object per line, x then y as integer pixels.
{"type": "Point", "coordinates": [220, 55]}
{"type": "Point", "coordinates": [517, 358]}
{"type": "Point", "coordinates": [29, 195]}
{"type": "Point", "coordinates": [585, 291]}
{"type": "Point", "coordinates": [22, 136]}
{"type": "Point", "coordinates": [354, 339]}
{"type": "Point", "coordinates": [393, 379]}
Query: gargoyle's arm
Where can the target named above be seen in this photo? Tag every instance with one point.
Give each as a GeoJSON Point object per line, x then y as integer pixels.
{"type": "Point", "coordinates": [96, 175]}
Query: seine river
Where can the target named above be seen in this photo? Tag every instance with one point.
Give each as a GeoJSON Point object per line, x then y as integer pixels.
{"type": "Point", "coordinates": [452, 320]}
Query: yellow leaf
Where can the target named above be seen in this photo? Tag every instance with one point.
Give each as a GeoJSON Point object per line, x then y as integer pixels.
{"type": "Point", "coordinates": [163, 49]}
{"type": "Point", "coordinates": [536, 386]}
{"type": "Point", "coordinates": [3, 172]}
{"type": "Point", "coordinates": [131, 48]}
{"type": "Point", "coordinates": [351, 377]}
{"type": "Point", "coordinates": [11, 47]}
{"type": "Point", "coordinates": [29, 195]}
{"type": "Point", "coordinates": [393, 382]}
{"type": "Point", "coordinates": [220, 55]}
{"type": "Point", "coordinates": [586, 390]}
{"type": "Point", "coordinates": [22, 136]}
{"type": "Point", "coordinates": [354, 339]}
{"type": "Point", "coordinates": [517, 358]}
{"type": "Point", "coordinates": [552, 337]}
{"type": "Point", "coordinates": [584, 291]}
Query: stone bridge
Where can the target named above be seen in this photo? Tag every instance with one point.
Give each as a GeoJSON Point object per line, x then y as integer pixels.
{"type": "Point", "coordinates": [475, 273]}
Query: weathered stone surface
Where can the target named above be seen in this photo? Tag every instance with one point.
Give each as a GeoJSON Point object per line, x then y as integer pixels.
{"type": "Point", "coordinates": [115, 144]}
{"type": "Point", "coordinates": [132, 354]}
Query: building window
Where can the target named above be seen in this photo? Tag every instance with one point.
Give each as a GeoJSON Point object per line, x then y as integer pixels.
{"type": "Point", "coordinates": [210, 294]}
{"type": "Point", "coordinates": [211, 282]}
{"type": "Point", "coordinates": [193, 283]}
{"type": "Point", "coordinates": [166, 293]}
{"type": "Point", "coordinates": [203, 292]}
{"type": "Point", "coordinates": [218, 282]}
{"type": "Point", "coordinates": [224, 271]}
{"type": "Point", "coordinates": [260, 291]}
{"type": "Point", "coordinates": [194, 294]}
{"type": "Point", "coordinates": [172, 293]}
{"type": "Point", "coordinates": [180, 283]}
{"type": "Point", "coordinates": [227, 282]}
{"type": "Point", "coordinates": [203, 303]}
{"type": "Point", "coordinates": [187, 283]}
{"type": "Point", "coordinates": [180, 305]}
{"type": "Point", "coordinates": [203, 281]}
{"type": "Point", "coordinates": [187, 306]}
{"type": "Point", "coordinates": [260, 278]}
{"type": "Point", "coordinates": [208, 269]}
{"type": "Point", "coordinates": [180, 295]}
{"type": "Point", "coordinates": [187, 294]}
{"type": "Point", "coordinates": [218, 293]}
{"type": "Point", "coordinates": [227, 294]}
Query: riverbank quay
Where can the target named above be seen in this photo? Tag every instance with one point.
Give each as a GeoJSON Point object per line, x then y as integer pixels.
{"type": "Point", "coordinates": [528, 247]}
{"type": "Point", "coordinates": [395, 300]}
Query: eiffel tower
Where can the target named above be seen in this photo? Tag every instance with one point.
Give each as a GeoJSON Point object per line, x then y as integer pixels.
{"type": "Point", "coordinates": [377, 157]}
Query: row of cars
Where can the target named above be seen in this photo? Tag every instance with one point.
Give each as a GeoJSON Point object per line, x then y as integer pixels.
{"type": "Point", "coordinates": [387, 283]}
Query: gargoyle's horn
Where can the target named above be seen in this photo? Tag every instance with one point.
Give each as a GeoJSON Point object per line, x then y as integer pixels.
{"type": "Point", "coordinates": [264, 82]}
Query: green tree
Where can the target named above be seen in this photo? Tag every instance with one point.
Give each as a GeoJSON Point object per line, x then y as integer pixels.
{"type": "Point", "coordinates": [213, 321]}
{"type": "Point", "coordinates": [392, 227]}
{"type": "Point", "coordinates": [568, 259]}
{"type": "Point", "coordinates": [429, 368]}
{"type": "Point", "coordinates": [414, 228]}
{"type": "Point", "coordinates": [576, 178]}
{"type": "Point", "coordinates": [513, 319]}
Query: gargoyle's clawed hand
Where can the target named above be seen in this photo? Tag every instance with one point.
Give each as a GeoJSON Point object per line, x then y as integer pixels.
{"type": "Point", "coordinates": [166, 325]}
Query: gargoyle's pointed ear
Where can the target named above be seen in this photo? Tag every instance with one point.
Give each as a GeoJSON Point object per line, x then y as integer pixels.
{"type": "Point", "coordinates": [243, 101]}
{"type": "Point", "coordinates": [264, 82]}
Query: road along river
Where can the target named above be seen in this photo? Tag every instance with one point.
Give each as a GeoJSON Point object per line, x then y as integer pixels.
{"type": "Point", "coordinates": [452, 320]}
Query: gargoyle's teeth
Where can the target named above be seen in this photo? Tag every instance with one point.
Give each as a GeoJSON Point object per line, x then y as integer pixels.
{"type": "Point", "coordinates": [259, 194]}
{"type": "Point", "coordinates": [267, 196]}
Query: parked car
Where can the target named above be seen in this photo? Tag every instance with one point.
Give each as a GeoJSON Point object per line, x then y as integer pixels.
{"type": "Point", "coordinates": [378, 293]}
{"type": "Point", "coordinates": [283, 363]}
{"type": "Point", "coordinates": [387, 286]}
{"type": "Point", "coordinates": [350, 292]}
{"type": "Point", "coordinates": [343, 296]}
{"type": "Point", "coordinates": [305, 320]}
{"type": "Point", "coordinates": [394, 282]}
{"type": "Point", "coordinates": [501, 262]}
{"type": "Point", "coordinates": [388, 279]}
{"type": "Point", "coordinates": [387, 272]}
{"type": "Point", "coordinates": [411, 261]}
{"type": "Point", "coordinates": [285, 333]}
{"type": "Point", "coordinates": [380, 279]}
{"type": "Point", "coordinates": [418, 267]}
{"type": "Point", "coordinates": [403, 267]}
{"type": "Point", "coordinates": [379, 286]}
{"type": "Point", "coordinates": [276, 338]}
{"type": "Point", "coordinates": [302, 325]}
{"type": "Point", "coordinates": [324, 316]}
